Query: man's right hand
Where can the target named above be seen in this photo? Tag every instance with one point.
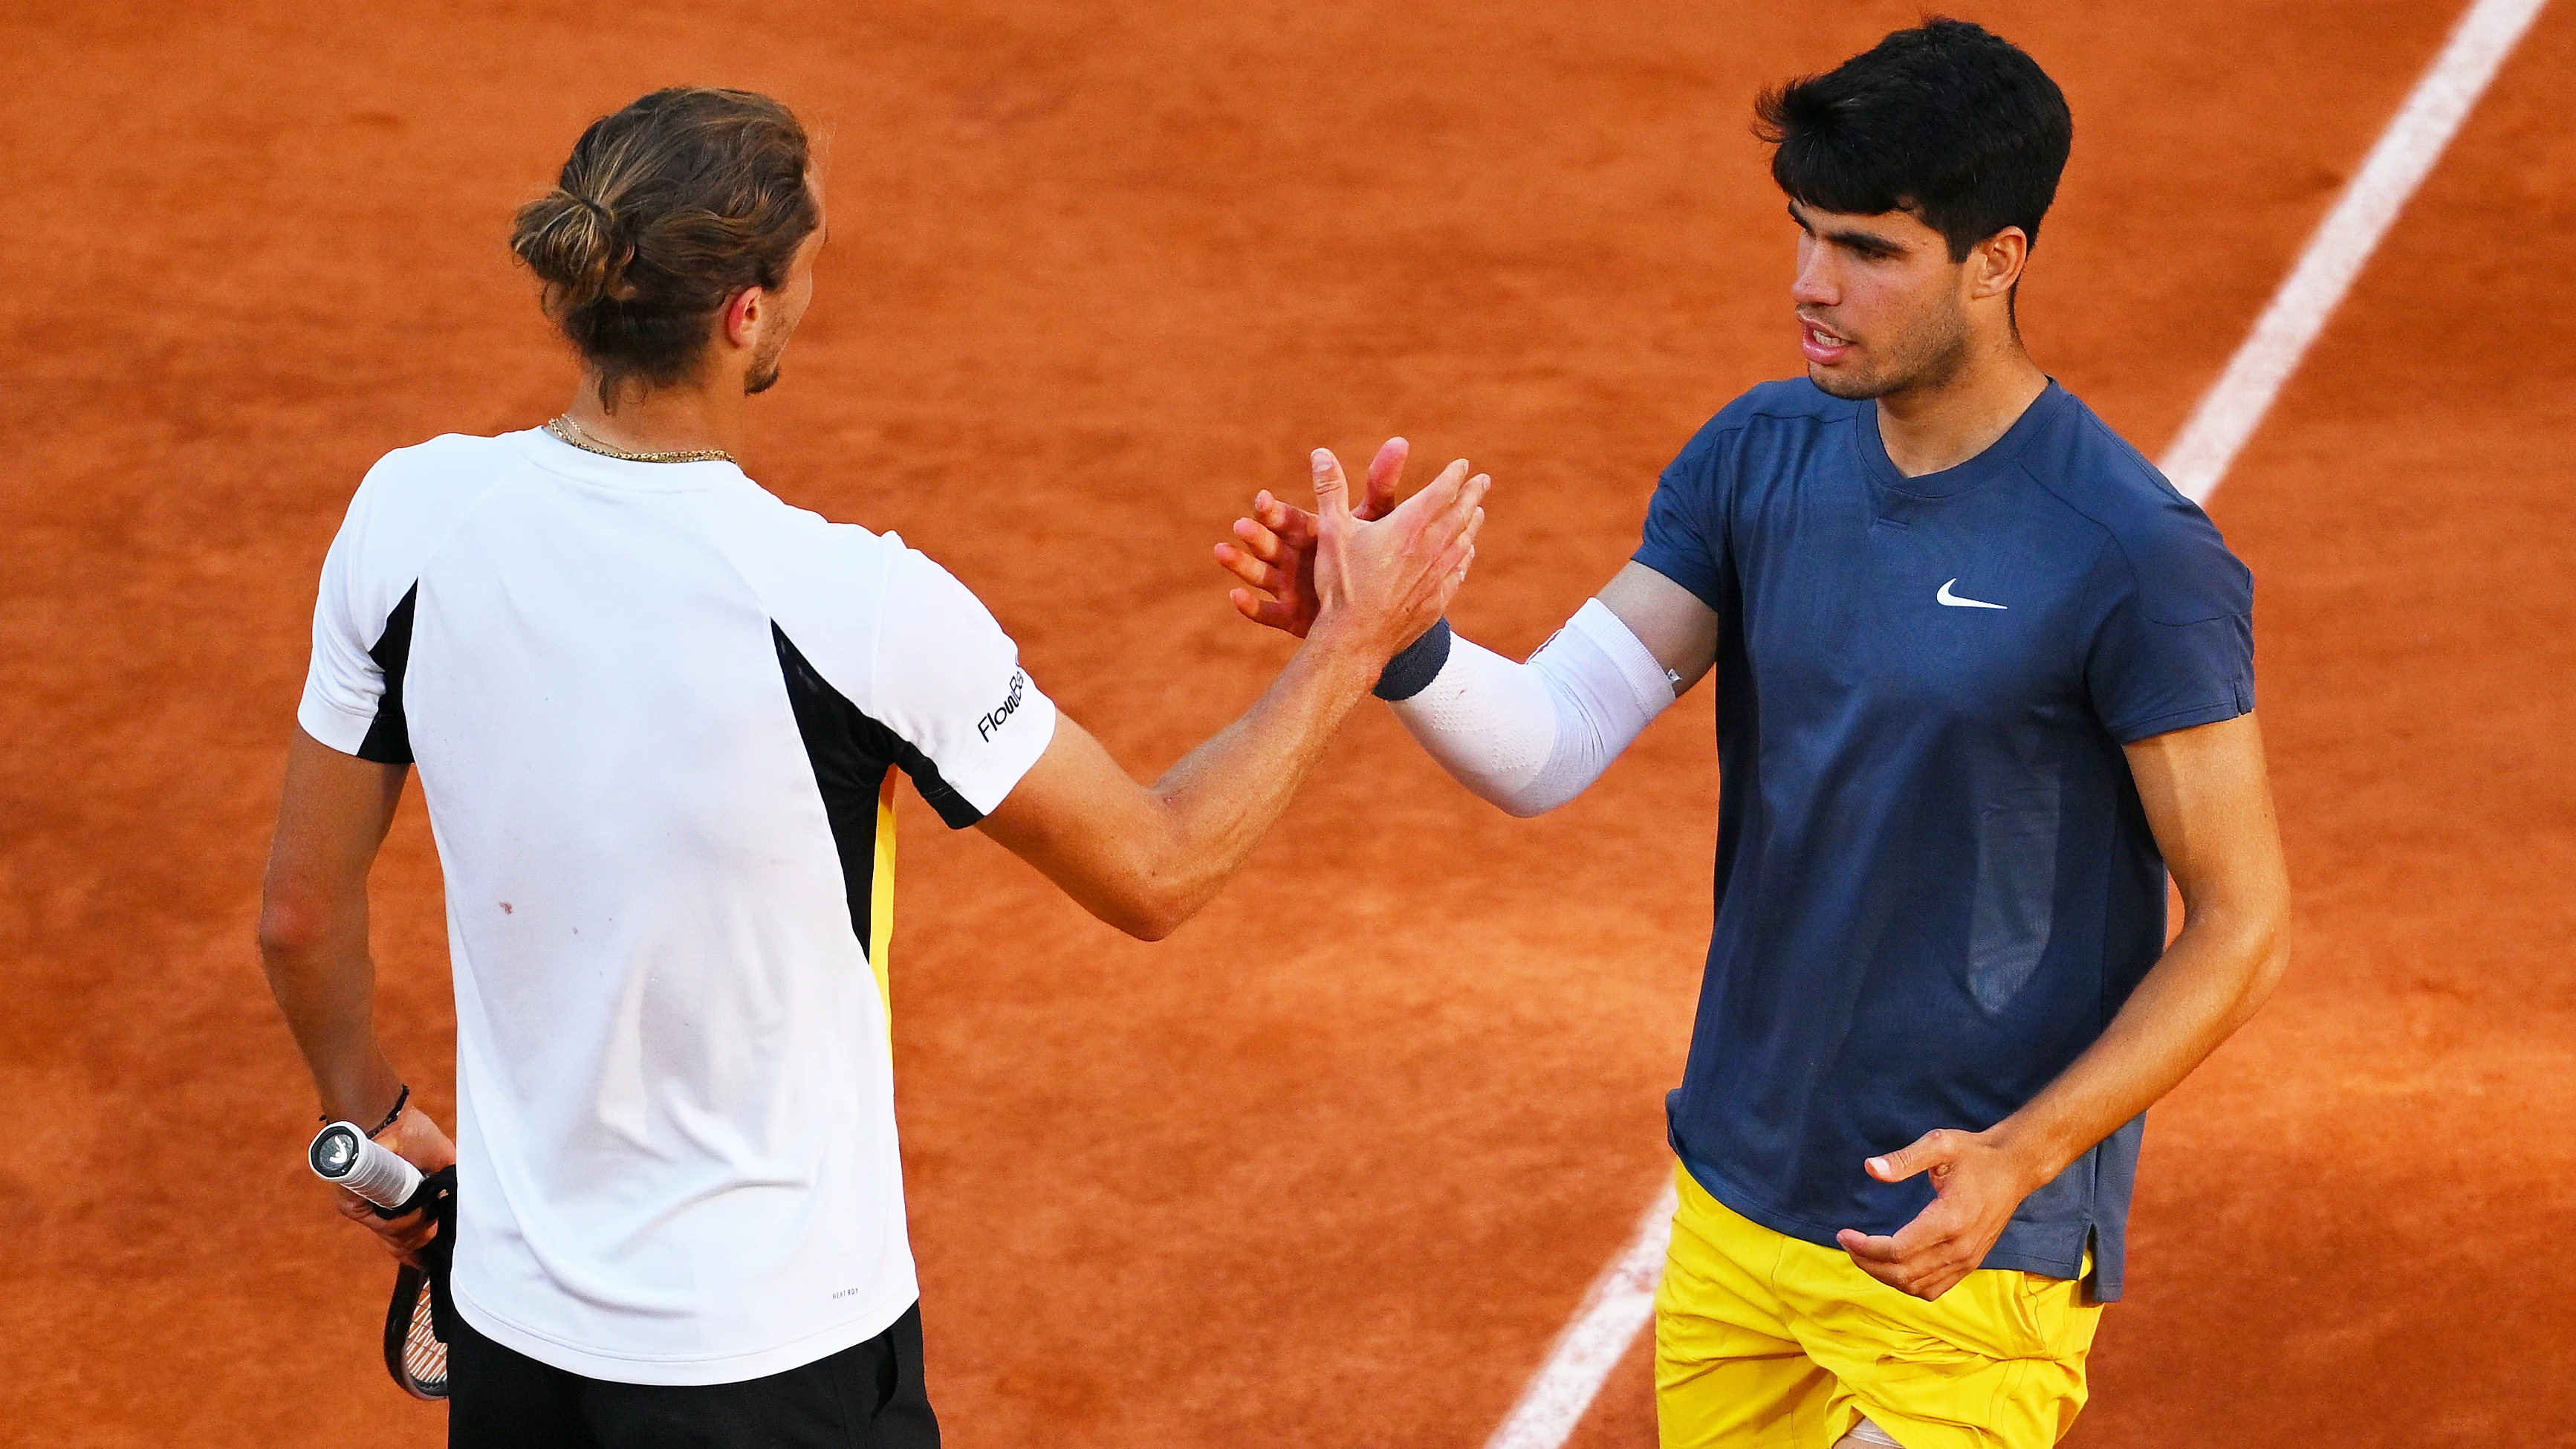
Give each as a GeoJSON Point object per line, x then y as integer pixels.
{"type": "Point", "coordinates": [1379, 584]}
{"type": "Point", "coordinates": [1276, 554]}
{"type": "Point", "coordinates": [417, 1140]}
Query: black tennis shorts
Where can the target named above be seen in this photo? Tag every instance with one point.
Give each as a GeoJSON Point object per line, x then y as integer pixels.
{"type": "Point", "coordinates": [868, 1396]}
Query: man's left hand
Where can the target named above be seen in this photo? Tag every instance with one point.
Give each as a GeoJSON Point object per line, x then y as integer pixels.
{"type": "Point", "coordinates": [1977, 1182]}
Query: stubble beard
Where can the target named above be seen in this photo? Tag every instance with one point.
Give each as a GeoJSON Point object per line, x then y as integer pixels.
{"type": "Point", "coordinates": [762, 375]}
{"type": "Point", "coordinates": [1927, 357]}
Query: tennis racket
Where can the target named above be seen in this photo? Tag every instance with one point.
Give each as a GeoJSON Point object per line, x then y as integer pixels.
{"type": "Point", "coordinates": [414, 1353]}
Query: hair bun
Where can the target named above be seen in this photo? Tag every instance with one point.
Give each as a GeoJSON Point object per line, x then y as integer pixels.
{"type": "Point", "coordinates": [663, 211]}
{"type": "Point", "coordinates": [574, 245]}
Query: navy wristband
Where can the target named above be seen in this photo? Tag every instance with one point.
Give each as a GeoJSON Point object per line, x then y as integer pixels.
{"type": "Point", "coordinates": [1415, 665]}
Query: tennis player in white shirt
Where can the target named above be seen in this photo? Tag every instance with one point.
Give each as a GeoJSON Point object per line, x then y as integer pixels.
{"type": "Point", "coordinates": [657, 714]}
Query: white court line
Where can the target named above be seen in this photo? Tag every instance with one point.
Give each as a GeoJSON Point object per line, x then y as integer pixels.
{"type": "Point", "coordinates": [1623, 1297]}
{"type": "Point", "coordinates": [1621, 1301]}
{"type": "Point", "coordinates": [2236, 403]}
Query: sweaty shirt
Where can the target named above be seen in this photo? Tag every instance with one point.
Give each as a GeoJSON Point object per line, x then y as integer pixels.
{"type": "Point", "coordinates": [1935, 884]}
{"type": "Point", "coordinates": [653, 710]}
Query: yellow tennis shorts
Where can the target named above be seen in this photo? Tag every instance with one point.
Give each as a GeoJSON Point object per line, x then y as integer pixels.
{"type": "Point", "coordinates": [1764, 1341]}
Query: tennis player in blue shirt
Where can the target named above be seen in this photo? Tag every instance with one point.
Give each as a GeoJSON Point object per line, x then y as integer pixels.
{"type": "Point", "coordinates": [1983, 678]}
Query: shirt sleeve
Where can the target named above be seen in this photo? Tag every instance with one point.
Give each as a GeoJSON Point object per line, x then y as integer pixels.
{"type": "Point", "coordinates": [352, 700]}
{"type": "Point", "coordinates": [1677, 542]}
{"type": "Point", "coordinates": [2175, 647]}
{"type": "Point", "coordinates": [949, 684]}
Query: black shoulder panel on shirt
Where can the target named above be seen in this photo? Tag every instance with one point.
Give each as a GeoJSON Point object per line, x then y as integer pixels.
{"type": "Point", "coordinates": [848, 753]}
{"type": "Point", "coordinates": [851, 751]}
{"type": "Point", "coordinates": [388, 740]}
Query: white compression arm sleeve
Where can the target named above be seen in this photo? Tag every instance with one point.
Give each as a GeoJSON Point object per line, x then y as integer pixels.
{"type": "Point", "coordinates": [1530, 737]}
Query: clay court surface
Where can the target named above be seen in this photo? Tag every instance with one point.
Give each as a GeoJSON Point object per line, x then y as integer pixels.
{"type": "Point", "coordinates": [1333, 1166]}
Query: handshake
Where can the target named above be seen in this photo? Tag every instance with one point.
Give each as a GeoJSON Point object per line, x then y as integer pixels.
{"type": "Point", "coordinates": [1384, 572]}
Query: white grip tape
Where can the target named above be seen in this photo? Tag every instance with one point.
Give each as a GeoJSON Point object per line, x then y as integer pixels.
{"type": "Point", "coordinates": [342, 1155]}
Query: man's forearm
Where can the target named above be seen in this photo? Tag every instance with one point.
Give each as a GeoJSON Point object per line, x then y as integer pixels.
{"type": "Point", "coordinates": [331, 817]}
{"type": "Point", "coordinates": [326, 987]}
{"type": "Point", "coordinates": [1527, 738]}
{"type": "Point", "coordinates": [1222, 797]}
{"type": "Point", "coordinates": [2208, 983]}
{"type": "Point", "coordinates": [1146, 858]}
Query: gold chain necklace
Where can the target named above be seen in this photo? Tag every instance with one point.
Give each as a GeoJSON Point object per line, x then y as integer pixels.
{"type": "Point", "coordinates": [564, 428]}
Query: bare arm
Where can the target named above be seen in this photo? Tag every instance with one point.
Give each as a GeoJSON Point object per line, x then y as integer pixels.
{"type": "Point", "coordinates": [1679, 630]}
{"type": "Point", "coordinates": [1145, 860]}
{"type": "Point", "coordinates": [2209, 801]}
{"type": "Point", "coordinates": [331, 821]}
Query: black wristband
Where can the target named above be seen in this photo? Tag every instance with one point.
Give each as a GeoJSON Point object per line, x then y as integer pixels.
{"type": "Point", "coordinates": [1415, 665]}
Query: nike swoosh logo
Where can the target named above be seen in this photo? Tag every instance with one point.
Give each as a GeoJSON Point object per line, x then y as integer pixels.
{"type": "Point", "coordinates": [1955, 602]}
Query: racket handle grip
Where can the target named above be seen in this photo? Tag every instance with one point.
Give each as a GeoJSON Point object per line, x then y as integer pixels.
{"type": "Point", "coordinates": [342, 1155]}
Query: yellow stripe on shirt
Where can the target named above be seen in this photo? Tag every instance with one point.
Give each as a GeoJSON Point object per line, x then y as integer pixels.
{"type": "Point", "coordinates": [881, 899]}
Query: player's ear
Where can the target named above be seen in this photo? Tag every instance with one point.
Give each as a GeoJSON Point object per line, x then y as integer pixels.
{"type": "Point", "coordinates": [1995, 264]}
{"type": "Point", "coordinates": [742, 317]}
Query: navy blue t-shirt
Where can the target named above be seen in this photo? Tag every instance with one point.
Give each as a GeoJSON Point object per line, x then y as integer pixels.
{"type": "Point", "coordinates": [1935, 883]}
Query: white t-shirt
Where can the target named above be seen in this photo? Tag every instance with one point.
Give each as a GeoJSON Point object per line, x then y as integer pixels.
{"type": "Point", "coordinates": [653, 709]}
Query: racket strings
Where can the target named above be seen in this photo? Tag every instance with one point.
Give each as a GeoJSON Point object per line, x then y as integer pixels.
{"type": "Point", "coordinates": [424, 1358]}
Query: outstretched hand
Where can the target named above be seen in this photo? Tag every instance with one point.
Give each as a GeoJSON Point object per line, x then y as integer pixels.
{"type": "Point", "coordinates": [1977, 1183]}
{"type": "Point", "coordinates": [1377, 584]}
{"type": "Point", "coordinates": [1276, 555]}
